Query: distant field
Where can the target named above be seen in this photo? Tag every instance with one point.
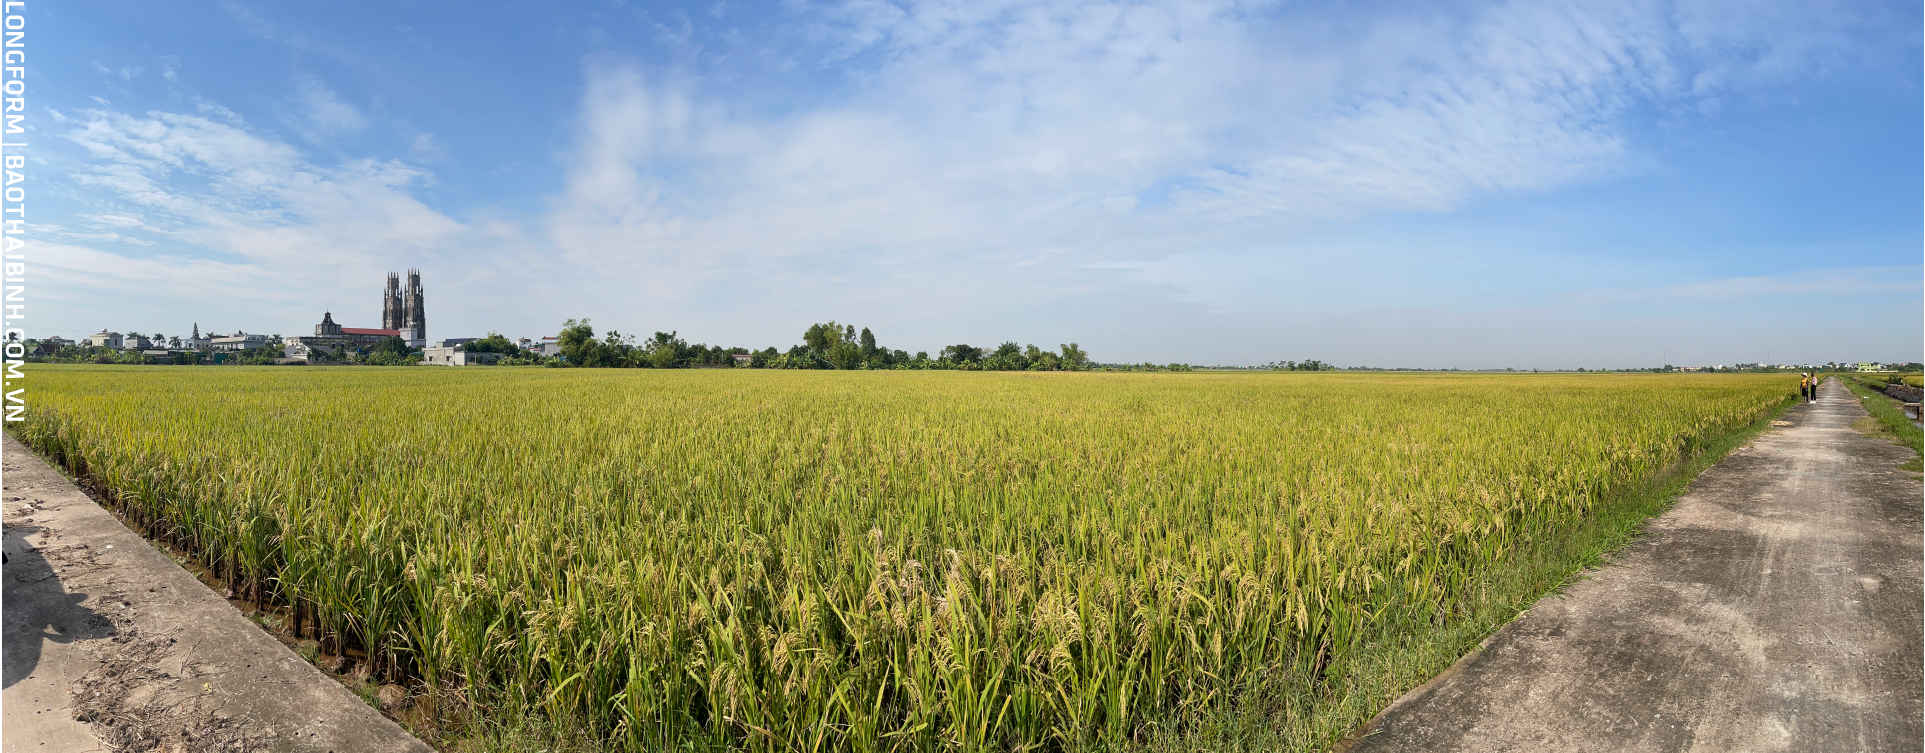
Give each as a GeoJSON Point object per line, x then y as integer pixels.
{"type": "Point", "coordinates": [869, 560]}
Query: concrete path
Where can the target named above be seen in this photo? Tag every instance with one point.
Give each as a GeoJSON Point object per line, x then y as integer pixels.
{"type": "Point", "coordinates": [1776, 608]}
{"type": "Point", "coordinates": [101, 625]}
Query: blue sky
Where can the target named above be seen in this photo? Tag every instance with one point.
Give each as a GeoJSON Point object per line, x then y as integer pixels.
{"type": "Point", "coordinates": [1531, 184]}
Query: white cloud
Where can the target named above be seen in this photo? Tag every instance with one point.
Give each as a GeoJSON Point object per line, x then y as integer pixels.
{"type": "Point", "coordinates": [984, 135]}
{"type": "Point", "coordinates": [325, 112]}
{"type": "Point", "coordinates": [86, 267]}
{"type": "Point", "coordinates": [258, 200]}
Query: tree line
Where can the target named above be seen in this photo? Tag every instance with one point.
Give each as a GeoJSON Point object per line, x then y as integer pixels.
{"type": "Point", "coordinates": [825, 345]}
{"type": "Point", "coordinates": [389, 351]}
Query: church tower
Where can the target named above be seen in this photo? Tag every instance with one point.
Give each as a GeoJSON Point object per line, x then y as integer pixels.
{"type": "Point", "coordinates": [392, 316]}
{"type": "Point", "coordinates": [415, 313]}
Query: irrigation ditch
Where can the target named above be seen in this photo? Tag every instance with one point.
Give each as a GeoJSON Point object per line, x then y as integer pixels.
{"type": "Point", "coordinates": [339, 652]}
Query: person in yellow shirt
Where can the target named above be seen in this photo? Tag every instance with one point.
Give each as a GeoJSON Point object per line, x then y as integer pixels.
{"type": "Point", "coordinates": [1804, 387]}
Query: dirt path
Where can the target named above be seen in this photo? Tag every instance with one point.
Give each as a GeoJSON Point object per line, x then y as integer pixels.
{"type": "Point", "coordinates": [101, 626]}
{"type": "Point", "coordinates": [1776, 608]}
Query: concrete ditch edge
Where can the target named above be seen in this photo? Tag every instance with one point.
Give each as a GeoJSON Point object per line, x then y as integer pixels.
{"type": "Point", "coordinates": [103, 627]}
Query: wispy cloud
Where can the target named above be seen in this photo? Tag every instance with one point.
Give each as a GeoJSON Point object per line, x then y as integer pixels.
{"type": "Point", "coordinates": [211, 188]}
{"type": "Point", "coordinates": [322, 111]}
{"type": "Point", "coordinates": [977, 137]}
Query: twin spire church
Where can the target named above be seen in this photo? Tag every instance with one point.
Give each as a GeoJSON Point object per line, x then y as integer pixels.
{"type": "Point", "coordinates": [401, 309]}
{"type": "Point", "coordinates": [403, 315]}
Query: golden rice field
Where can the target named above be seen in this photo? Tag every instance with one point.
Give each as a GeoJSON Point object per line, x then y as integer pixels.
{"type": "Point", "coordinates": [866, 560]}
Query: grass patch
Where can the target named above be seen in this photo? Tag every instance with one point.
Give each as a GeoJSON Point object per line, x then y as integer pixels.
{"type": "Point", "coordinates": [1888, 421]}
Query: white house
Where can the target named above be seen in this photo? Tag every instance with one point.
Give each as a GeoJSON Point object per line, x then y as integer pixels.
{"type": "Point", "coordinates": [105, 339]}
{"type": "Point", "coordinates": [454, 352]}
{"type": "Point", "coordinates": [239, 341]}
{"type": "Point", "coordinates": [300, 350]}
{"type": "Point", "coordinates": [543, 347]}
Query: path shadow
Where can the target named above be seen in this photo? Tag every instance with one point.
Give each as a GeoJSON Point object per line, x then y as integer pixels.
{"type": "Point", "coordinates": [39, 609]}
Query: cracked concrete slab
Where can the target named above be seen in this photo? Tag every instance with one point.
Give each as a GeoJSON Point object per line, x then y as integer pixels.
{"type": "Point", "coordinates": [110, 645]}
{"type": "Point", "coordinates": [1777, 607]}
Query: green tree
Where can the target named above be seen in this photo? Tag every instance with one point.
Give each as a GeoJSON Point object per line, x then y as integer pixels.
{"type": "Point", "coordinates": [962, 353]}
{"type": "Point", "coordinates": [579, 347]}
{"type": "Point", "coordinates": [665, 350]}
{"type": "Point", "coordinates": [1008, 357]}
{"type": "Point", "coordinates": [495, 342]}
{"type": "Point", "coordinates": [390, 344]}
{"type": "Point", "coordinates": [868, 343]}
{"type": "Point", "coordinates": [820, 337]}
{"type": "Point", "coordinates": [391, 358]}
{"type": "Point", "coordinates": [1073, 358]}
{"type": "Point", "coordinates": [799, 357]}
{"type": "Point", "coordinates": [844, 355]}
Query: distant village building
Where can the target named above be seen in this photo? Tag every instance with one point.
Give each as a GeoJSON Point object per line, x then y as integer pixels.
{"type": "Point", "coordinates": [238, 341]}
{"type": "Point", "coordinates": [330, 338]}
{"type": "Point", "coordinates": [403, 315]}
{"type": "Point", "coordinates": [454, 352]}
{"type": "Point", "coordinates": [50, 345]}
{"type": "Point", "coordinates": [301, 349]}
{"type": "Point", "coordinates": [105, 339]}
{"type": "Point", "coordinates": [547, 346]}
